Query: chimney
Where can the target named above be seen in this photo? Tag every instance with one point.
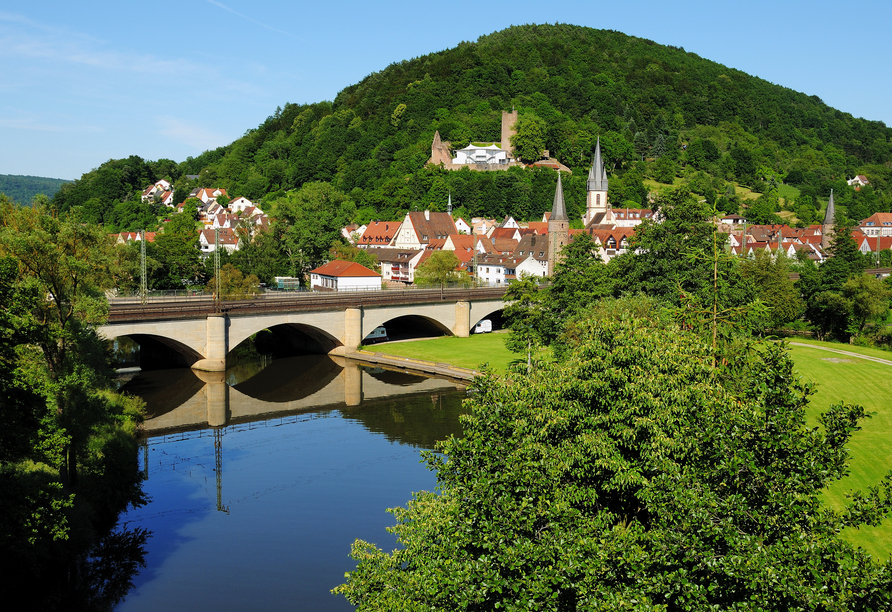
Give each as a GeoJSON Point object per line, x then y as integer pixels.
{"type": "Point", "coordinates": [427, 214]}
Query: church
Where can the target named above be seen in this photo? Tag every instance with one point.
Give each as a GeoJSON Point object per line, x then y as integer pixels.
{"type": "Point", "coordinates": [598, 212]}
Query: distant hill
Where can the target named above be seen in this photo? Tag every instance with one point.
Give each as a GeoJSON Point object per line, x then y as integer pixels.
{"type": "Point", "coordinates": [661, 112]}
{"type": "Point", "coordinates": [23, 188]}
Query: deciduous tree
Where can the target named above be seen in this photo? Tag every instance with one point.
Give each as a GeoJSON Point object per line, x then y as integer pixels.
{"type": "Point", "coordinates": [630, 477]}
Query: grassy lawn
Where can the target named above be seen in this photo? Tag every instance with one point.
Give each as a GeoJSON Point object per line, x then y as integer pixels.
{"type": "Point", "coordinates": [463, 352]}
{"type": "Point", "coordinates": [864, 382]}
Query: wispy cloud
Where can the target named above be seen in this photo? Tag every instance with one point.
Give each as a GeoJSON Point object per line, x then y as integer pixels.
{"type": "Point", "coordinates": [190, 134]}
{"type": "Point", "coordinates": [254, 21]}
{"type": "Point", "coordinates": [24, 39]}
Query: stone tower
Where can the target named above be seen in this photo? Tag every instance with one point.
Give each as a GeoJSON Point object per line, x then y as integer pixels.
{"type": "Point", "coordinates": [440, 153]}
{"type": "Point", "coordinates": [558, 228]}
{"type": "Point", "coordinates": [508, 121]}
{"type": "Point", "coordinates": [596, 200]}
{"type": "Point", "coordinates": [827, 232]}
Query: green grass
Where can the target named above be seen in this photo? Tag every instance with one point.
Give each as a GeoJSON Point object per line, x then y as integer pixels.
{"type": "Point", "coordinates": [463, 352]}
{"type": "Point", "coordinates": [856, 381]}
{"type": "Point", "coordinates": [850, 348]}
{"type": "Point", "coordinates": [787, 192]}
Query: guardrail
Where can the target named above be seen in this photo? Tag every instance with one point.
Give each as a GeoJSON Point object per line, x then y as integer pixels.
{"type": "Point", "coordinates": [121, 310]}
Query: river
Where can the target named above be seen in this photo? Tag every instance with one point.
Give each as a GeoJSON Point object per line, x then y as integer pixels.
{"type": "Point", "coordinates": [261, 479]}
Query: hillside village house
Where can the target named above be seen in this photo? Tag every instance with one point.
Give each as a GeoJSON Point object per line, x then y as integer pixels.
{"type": "Point", "coordinates": [229, 240]}
{"type": "Point", "coordinates": [420, 228]}
{"type": "Point", "coordinates": [378, 234]}
{"type": "Point", "coordinates": [344, 276]}
{"type": "Point", "coordinates": [398, 265]}
{"type": "Point", "coordinates": [878, 224]}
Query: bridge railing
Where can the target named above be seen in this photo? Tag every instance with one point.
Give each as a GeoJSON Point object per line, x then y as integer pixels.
{"type": "Point", "coordinates": [178, 295]}
{"type": "Point", "coordinates": [129, 310]}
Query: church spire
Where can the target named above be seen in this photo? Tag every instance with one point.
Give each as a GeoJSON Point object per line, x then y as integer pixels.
{"type": "Point", "coordinates": [597, 176]}
{"type": "Point", "coordinates": [830, 214]}
{"type": "Point", "coordinates": [558, 210]}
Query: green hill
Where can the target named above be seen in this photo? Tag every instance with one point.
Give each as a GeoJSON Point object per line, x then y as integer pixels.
{"type": "Point", "coordinates": [662, 114]}
{"type": "Point", "coordinates": [24, 188]}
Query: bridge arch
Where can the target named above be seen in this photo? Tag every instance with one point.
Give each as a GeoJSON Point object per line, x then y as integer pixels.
{"type": "Point", "coordinates": [298, 337]}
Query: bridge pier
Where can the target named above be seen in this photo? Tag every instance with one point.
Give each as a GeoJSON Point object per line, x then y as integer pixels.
{"type": "Point", "coordinates": [352, 331]}
{"type": "Point", "coordinates": [352, 384]}
{"type": "Point", "coordinates": [217, 345]}
{"type": "Point", "coordinates": [216, 392]}
{"type": "Point", "coordinates": [462, 327]}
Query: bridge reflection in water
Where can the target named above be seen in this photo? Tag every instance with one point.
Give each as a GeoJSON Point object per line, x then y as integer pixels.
{"type": "Point", "coordinates": [182, 400]}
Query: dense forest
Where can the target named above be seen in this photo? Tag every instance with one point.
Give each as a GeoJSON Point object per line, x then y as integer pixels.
{"type": "Point", "coordinates": [662, 114]}
{"type": "Point", "coordinates": [24, 188]}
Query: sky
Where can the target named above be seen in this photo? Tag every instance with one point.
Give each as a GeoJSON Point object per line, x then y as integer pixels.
{"type": "Point", "coordinates": [82, 83]}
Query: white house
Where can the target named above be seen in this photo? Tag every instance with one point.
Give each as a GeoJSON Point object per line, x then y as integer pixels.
{"type": "Point", "coordinates": [878, 224]}
{"type": "Point", "coordinates": [481, 154]}
{"type": "Point", "coordinates": [859, 181]}
{"type": "Point", "coordinates": [228, 240]}
{"type": "Point", "coordinates": [344, 276]}
{"type": "Point", "coordinates": [462, 226]}
{"type": "Point", "coordinates": [239, 204]}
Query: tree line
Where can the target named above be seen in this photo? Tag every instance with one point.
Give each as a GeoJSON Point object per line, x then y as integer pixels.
{"type": "Point", "coordinates": [68, 449]}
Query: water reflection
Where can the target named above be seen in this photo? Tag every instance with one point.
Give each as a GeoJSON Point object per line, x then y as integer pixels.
{"type": "Point", "coordinates": [262, 478]}
{"type": "Point", "coordinates": [179, 400]}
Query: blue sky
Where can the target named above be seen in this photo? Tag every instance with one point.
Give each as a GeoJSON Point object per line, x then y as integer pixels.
{"type": "Point", "coordinates": [81, 83]}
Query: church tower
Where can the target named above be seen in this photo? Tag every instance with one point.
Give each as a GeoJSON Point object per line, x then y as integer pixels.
{"type": "Point", "coordinates": [558, 227]}
{"type": "Point", "coordinates": [827, 226]}
{"type": "Point", "coordinates": [596, 200]}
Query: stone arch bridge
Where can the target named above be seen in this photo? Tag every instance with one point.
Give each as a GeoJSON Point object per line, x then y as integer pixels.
{"type": "Point", "coordinates": [199, 333]}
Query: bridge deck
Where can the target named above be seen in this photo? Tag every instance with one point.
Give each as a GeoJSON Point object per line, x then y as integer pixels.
{"type": "Point", "coordinates": [121, 311]}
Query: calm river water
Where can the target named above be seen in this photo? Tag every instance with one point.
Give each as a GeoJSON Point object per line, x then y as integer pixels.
{"type": "Point", "coordinates": [261, 479]}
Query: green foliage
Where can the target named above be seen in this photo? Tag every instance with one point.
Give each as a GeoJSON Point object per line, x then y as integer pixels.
{"type": "Point", "coordinates": [22, 189]}
{"type": "Point", "coordinates": [526, 316]}
{"type": "Point", "coordinates": [233, 284]}
{"type": "Point", "coordinates": [309, 223]}
{"type": "Point", "coordinates": [678, 257]}
{"type": "Point", "coordinates": [770, 275]}
{"type": "Point", "coordinates": [529, 141]}
{"type": "Point", "coordinates": [440, 269]}
{"type": "Point", "coordinates": [348, 252]}
{"type": "Point", "coordinates": [176, 250]}
{"type": "Point", "coordinates": [869, 299]}
{"type": "Point", "coordinates": [630, 476]}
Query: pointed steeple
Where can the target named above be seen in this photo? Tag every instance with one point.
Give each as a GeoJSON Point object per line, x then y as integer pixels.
{"type": "Point", "coordinates": [449, 205]}
{"type": "Point", "coordinates": [597, 176]}
{"type": "Point", "coordinates": [558, 210]}
{"type": "Point", "coordinates": [830, 214]}
{"type": "Point", "coordinates": [437, 142]}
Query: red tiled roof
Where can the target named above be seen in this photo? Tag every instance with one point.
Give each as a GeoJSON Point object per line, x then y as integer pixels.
{"type": "Point", "coordinates": [379, 233]}
{"type": "Point", "coordinates": [341, 269]}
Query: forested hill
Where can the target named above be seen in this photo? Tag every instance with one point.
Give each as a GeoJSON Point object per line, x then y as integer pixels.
{"type": "Point", "coordinates": [661, 112]}
{"type": "Point", "coordinates": [24, 188]}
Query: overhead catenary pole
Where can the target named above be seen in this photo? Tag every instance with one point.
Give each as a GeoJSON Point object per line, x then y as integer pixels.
{"type": "Point", "coordinates": [143, 284]}
{"type": "Point", "coordinates": [217, 283]}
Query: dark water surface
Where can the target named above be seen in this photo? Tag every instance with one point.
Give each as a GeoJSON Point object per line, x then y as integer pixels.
{"type": "Point", "coordinates": [259, 511]}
